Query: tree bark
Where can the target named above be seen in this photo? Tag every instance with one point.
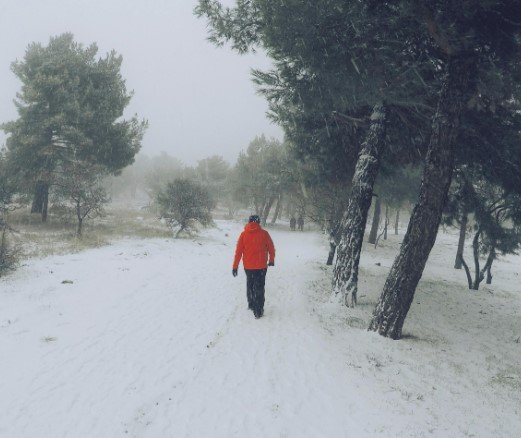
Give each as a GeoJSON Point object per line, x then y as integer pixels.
{"type": "Point", "coordinates": [277, 210]}
{"type": "Point", "coordinates": [345, 274]}
{"type": "Point", "coordinates": [461, 242]}
{"type": "Point", "coordinates": [400, 286]}
{"type": "Point", "coordinates": [397, 221]}
{"type": "Point", "coordinates": [376, 221]}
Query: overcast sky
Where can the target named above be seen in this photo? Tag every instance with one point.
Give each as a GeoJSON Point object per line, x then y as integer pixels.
{"type": "Point", "coordinates": [199, 99]}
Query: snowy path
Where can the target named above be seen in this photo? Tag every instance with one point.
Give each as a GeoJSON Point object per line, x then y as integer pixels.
{"type": "Point", "coordinates": [153, 339]}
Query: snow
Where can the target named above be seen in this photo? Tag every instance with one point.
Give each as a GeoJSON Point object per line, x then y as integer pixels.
{"type": "Point", "coordinates": [153, 339]}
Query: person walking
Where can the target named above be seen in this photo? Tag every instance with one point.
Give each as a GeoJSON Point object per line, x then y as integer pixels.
{"type": "Point", "coordinates": [300, 223]}
{"type": "Point", "coordinates": [257, 251]}
{"type": "Point", "coordinates": [292, 223]}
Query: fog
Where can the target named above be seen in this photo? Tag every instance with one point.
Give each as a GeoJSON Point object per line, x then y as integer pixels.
{"type": "Point", "coordinates": [199, 99]}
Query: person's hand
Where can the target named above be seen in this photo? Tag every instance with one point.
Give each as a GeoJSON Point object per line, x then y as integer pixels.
{"type": "Point", "coordinates": [234, 272]}
{"type": "Point", "coordinates": [271, 264]}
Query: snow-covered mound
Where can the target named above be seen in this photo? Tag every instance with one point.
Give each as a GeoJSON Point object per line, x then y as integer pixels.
{"type": "Point", "coordinates": [152, 338]}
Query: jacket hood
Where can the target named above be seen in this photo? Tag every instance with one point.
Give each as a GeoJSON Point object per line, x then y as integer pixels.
{"type": "Point", "coordinates": [252, 226]}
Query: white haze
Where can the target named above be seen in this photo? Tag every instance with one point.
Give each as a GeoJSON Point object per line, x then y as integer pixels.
{"type": "Point", "coordinates": [198, 99]}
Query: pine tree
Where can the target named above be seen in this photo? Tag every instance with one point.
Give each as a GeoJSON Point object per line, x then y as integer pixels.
{"type": "Point", "coordinates": [478, 47]}
{"type": "Point", "coordinates": [70, 102]}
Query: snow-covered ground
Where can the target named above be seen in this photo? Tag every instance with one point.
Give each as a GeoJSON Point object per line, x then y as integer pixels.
{"type": "Point", "coordinates": [153, 339]}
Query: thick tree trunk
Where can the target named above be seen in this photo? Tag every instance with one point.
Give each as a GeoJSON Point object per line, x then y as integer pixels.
{"type": "Point", "coordinates": [373, 234]}
{"type": "Point", "coordinates": [397, 221]}
{"type": "Point", "coordinates": [461, 242]}
{"type": "Point", "coordinates": [345, 274]}
{"type": "Point", "coordinates": [400, 286]}
{"type": "Point", "coordinates": [277, 210]}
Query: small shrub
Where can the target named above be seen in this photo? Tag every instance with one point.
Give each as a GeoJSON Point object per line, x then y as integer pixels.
{"type": "Point", "coordinates": [184, 203]}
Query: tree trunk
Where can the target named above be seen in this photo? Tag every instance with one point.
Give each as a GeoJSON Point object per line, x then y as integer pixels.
{"type": "Point", "coordinates": [80, 219]}
{"type": "Point", "coordinates": [397, 221]}
{"type": "Point", "coordinates": [467, 272]}
{"type": "Point", "coordinates": [386, 223]}
{"type": "Point", "coordinates": [37, 198]}
{"type": "Point", "coordinates": [345, 274]}
{"type": "Point", "coordinates": [400, 286]}
{"type": "Point", "coordinates": [489, 274]}
{"type": "Point", "coordinates": [41, 199]}
{"type": "Point", "coordinates": [80, 227]}
{"type": "Point", "coordinates": [461, 242]}
{"type": "Point", "coordinates": [45, 205]}
{"type": "Point", "coordinates": [376, 221]}
{"type": "Point", "coordinates": [331, 256]}
{"type": "Point", "coordinates": [266, 210]}
{"type": "Point", "coordinates": [277, 210]}
{"type": "Point", "coordinates": [475, 250]}
{"type": "Point", "coordinates": [488, 265]}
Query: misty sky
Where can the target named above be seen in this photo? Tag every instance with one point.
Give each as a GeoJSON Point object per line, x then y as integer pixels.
{"type": "Point", "coordinates": [199, 99]}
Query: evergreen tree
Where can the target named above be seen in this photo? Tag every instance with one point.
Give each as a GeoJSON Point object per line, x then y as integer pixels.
{"type": "Point", "coordinates": [69, 102]}
{"type": "Point", "coordinates": [478, 47]}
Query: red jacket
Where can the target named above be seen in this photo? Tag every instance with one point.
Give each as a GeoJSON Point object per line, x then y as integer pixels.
{"type": "Point", "coordinates": [254, 246]}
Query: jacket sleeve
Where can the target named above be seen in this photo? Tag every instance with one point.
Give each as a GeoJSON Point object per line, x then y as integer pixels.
{"type": "Point", "coordinates": [238, 252]}
{"type": "Point", "coordinates": [271, 248]}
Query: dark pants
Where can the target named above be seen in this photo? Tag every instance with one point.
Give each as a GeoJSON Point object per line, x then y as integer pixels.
{"type": "Point", "coordinates": [255, 280]}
